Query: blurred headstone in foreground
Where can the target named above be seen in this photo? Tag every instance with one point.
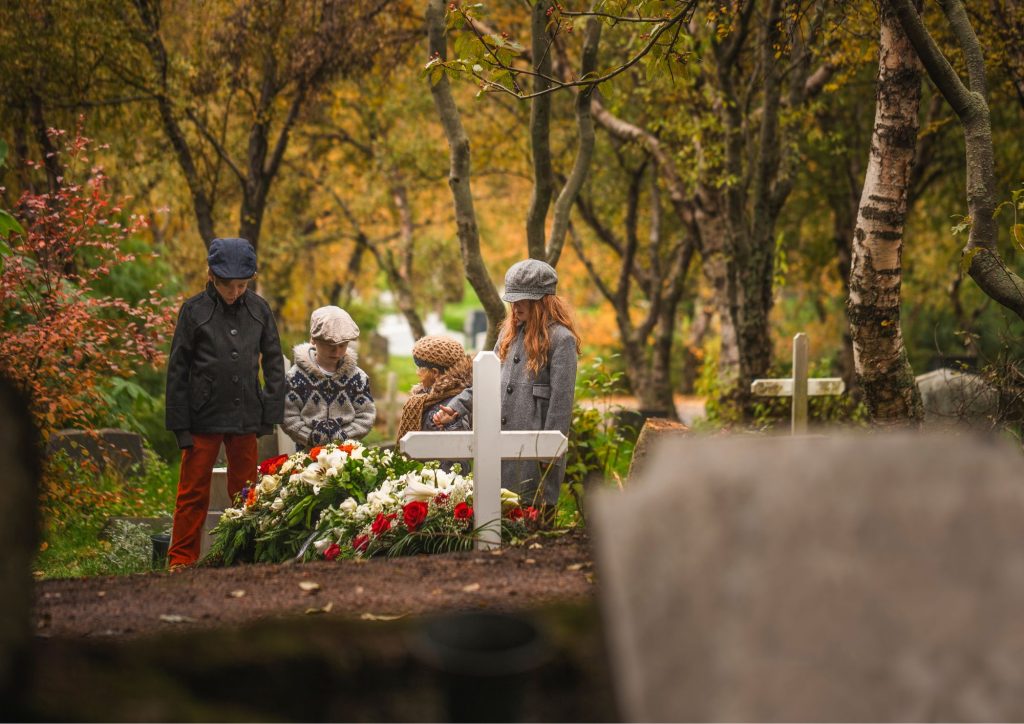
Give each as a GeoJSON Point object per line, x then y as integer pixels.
{"type": "Point", "coordinates": [19, 538]}
{"type": "Point", "coordinates": [839, 578]}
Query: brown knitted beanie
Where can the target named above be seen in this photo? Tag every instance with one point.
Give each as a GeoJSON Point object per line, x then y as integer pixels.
{"type": "Point", "coordinates": [437, 352]}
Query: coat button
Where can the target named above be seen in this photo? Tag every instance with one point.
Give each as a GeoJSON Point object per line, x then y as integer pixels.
{"type": "Point", "coordinates": [234, 378]}
{"type": "Point", "coordinates": [238, 401]}
{"type": "Point", "coordinates": [504, 420]}
{"type": "Point", "coordinates": [234, 332]}
{"type": "Point", "coordinates": [509, 389]}
{"type": "Point", "coordinates": [516, 359]}
{"type": "Point", "coordinates": [234, 355]}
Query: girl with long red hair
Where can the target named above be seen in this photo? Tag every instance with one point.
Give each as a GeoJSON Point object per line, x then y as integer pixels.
{"type": "Point", "coordinates": [539, 347]}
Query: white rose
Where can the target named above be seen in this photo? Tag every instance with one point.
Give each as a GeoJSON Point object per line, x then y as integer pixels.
{"type": "Point", "coordinates": [322, 544]}
{"type": "Point", "coordinates": [277, 505]}
{"type": "Point", "coordinates": [231, 513]}
{"type": "Point", "coordinates": [349, 506]}
{"type": "Point", "coordinates": [287, 467]}
{"type": "Point", "coordinates": [269, 483]}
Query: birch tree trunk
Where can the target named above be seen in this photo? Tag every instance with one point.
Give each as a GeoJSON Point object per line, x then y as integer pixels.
{"type": "Point", "coordinates": [880, 358]}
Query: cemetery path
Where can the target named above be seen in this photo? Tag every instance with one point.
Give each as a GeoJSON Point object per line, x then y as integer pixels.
{"type": "Point", "coordinates": [545, 571]}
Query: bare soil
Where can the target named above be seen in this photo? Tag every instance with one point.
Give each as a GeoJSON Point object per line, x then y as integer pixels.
{"type": "Point", "coordinates": [190, 646]}
{"type": "Point", "coordinates": [544, 571]}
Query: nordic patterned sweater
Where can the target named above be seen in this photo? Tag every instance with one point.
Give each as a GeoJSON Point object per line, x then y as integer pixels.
{"type": "Point", "coordinates": [321, 407]}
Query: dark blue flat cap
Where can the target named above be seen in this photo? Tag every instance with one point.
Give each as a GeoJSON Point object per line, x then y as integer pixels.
{"type": "Point", "coordinates": [232, 258]}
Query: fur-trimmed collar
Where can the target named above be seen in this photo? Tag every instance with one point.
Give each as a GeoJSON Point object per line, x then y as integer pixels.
{"type": "Point", "coordinates": [305, 357]}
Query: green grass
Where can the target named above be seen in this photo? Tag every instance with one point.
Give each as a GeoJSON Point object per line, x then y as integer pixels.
{"type": "Point", "coordinates": [72, 546]}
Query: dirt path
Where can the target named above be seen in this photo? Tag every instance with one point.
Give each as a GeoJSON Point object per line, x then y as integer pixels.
{"type": "Point", "coordinates": [560, 569]}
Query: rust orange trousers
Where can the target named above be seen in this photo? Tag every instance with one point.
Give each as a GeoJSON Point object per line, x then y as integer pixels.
{"type": "Point", "coordinates": [194, 487]}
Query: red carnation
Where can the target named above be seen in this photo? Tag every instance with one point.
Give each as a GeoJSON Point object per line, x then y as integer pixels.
{"type": "Point", "coordinates": [382, 523]}
{"type": "Point", "coordinates": [530, 513]}
{"type": "Point", "coordinates": [347, 447]}
{"type": "Point", "coordinates": [516, 514]}
{"type": "Point", "coordinates": [314, 452]}
{"type": "Point", "coordinates": [440, 499]}
{"type": "Point", "coordinates": [361, 542]}
{"type": "Point", "coordinates": [332, 551]}
{"type": "Point", "coordinates": [463, 511]}
{"type": "Point", "coordinates": [270, 466]}
{"type": "Point", "coordinates": [414, 513]}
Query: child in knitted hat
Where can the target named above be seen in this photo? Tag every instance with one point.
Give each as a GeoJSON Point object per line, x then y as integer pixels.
{"type": "Point", "coordinates": [328, 396]}
{"type": "Point", "coordinates": [445, 370]}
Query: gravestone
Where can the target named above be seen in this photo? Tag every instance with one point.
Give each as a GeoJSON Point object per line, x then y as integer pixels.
{"type": "Point", "coordinates": [19, 540]}
{"type": "Point", "coordinates": [475, 328]}
{"type": "Point", "coordinates": [954, 398]}
{"type": "Point", "coordinates": [795, 579]}
{"type": "Point", "coordinates": [488, 445]}
{"type": "Point", "coordinates": [654, 432]}
{"type": "Point", "coordinates": [121, 449]}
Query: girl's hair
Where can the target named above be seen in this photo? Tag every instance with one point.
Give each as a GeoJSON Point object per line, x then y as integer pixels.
{"type": "Point", "coordinates": [539, 315]}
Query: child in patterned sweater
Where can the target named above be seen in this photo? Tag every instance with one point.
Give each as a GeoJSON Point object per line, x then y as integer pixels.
{"type": "Point", "coordinates": [328, 397]}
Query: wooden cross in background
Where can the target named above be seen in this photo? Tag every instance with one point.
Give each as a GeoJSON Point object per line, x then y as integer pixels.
{"type": "Point", "coordinates": [798, 386]}
{"type": "Point", "coordinates": [487, 445]}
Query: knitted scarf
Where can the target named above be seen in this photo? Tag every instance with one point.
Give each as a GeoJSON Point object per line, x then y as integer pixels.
{"type": "Point", "coordinates": [453, 381]}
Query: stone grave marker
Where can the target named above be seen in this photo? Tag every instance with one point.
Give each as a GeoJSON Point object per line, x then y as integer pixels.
{"type": "Point", "coordinates": [953, 398]}
{"type": "Point", "coordinates": [654, 431]}
{"type": "Point", "coordinates": [121, 449]}
{"type": "Point", "coordinates": [799, 387]}
{"type": "Point", "coordinates": [875, 578]}
{"type": "Point", "coordinates": [19, 541]}
{"type": "Point", "coordinates": [487, 444]}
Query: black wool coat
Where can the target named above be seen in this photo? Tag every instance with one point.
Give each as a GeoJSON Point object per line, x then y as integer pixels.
{"type": "Point", "coordinates": [213, 381]}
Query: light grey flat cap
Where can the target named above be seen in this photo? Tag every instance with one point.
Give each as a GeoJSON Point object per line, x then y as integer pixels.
{"type": "Point", "coordinates": [333, 325]}
{"type": "Point", "coordinates": [529, 279]}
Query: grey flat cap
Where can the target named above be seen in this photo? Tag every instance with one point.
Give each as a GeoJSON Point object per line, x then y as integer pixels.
{"type": "Point", "coordinates": [529, 279]}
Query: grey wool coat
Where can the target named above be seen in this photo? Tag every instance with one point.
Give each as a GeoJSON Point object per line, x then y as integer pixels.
{"type": "Point", "coordinates": [321, 407]}
{"type": "Point", "coordinates": [213, 381]}
{"type": "Point", "coordinates": [534, 402]}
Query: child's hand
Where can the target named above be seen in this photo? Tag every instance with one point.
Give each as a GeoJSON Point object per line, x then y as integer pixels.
{"type": "Point", "coordinates": [444, 416]}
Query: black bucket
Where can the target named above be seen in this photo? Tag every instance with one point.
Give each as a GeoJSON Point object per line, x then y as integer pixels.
{"type": "Point", "coordinates": [161, 544]}
{"type": "Point", "coordinates": [483, 661]}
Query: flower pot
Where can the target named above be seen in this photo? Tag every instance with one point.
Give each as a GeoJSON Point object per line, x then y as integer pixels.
{"type": "Point", "coordinates": [483, 661]}
{"type": "Point", "coordinates": [161, 544]}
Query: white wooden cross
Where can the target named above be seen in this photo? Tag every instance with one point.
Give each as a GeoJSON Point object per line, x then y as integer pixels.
{"type": "Point", "coordinates": [487, 445]}
{"type": "Point", "coordinates": [798, 386]}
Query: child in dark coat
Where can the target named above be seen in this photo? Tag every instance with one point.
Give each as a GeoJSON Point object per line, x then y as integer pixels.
{"type": "Point", "coordinates": [223, 336]}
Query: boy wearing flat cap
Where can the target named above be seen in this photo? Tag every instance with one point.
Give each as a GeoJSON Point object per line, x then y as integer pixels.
{"type": "Point", "coordinates": [328, 396]}
{"type": "Point", "coordinates": [223, 336]}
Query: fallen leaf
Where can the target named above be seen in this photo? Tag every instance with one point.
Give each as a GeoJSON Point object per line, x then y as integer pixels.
{"type": "Point", "coordinates": [589, 577]}
{"type": "Point", "coordinates": [529, 561]}
{"type": "Point", "coordinates": [237, 593]}
{"type": "Point", "coordinates": [497, 552]}
{"type": "Point", "coordinates": [309, 586]}
{"type": "Point", "coordinates": [39, 574]}
{"type": "Point", "coordinates": [535, 546]}
{"type": "Point", "coordinates": [380, 617]}
{"type": "Point", "coordinates": [436, 592]}
{"type": "Point", "coordinates": [471, 588]}
{"type": "Point", "coordinates": [175, 618]}
{"type": "Point", "coordinates": [101, 594]}
{"type": "Point", "coordinates": [359, 590]}
{"type": "Point", "coordinates": [43, 546]}
{"type": "Point", "coordinates": [325, 609]}
{"type": "Point", "coordinates": [574, 567]}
